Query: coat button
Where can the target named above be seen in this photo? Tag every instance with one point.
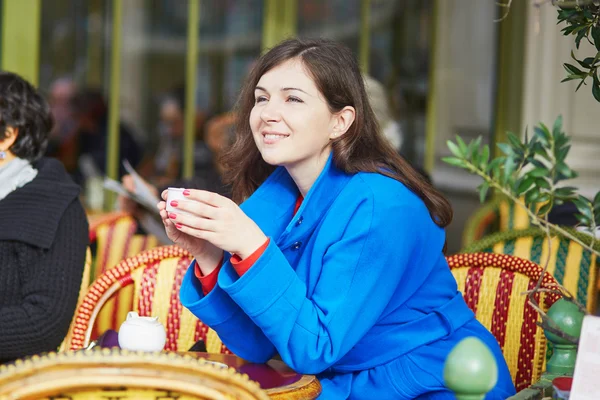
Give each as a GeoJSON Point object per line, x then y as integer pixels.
{"type": "Point", "coordinates": [296, 245]}
{"type": "Point", "coordinates": [299, 221]}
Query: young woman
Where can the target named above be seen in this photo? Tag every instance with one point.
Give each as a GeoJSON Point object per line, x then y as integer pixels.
{"type": "Point", "coordinates": [334, 260]}
{"type": "Point", "coordinates": [43, 228]}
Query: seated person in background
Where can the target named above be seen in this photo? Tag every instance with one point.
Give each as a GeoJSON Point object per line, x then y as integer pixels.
{"type": "Point", "coordinates": [91, 115]}
{"type": "Point", "coordinates": [62, 143]}
{"type": "Point", "coordinates": [165, 164]}
{"type": "Point", "coordinates": [219, 134]}
{"type": "Point", "coordinates": [43, 228]}
{"type": "Point", "coordinates": [334, 260]}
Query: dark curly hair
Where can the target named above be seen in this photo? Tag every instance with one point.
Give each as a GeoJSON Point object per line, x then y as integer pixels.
{"type": "Point", "coordinates": [24, 109]}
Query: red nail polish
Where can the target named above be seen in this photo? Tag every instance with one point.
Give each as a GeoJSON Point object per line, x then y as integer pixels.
{"type": "Point", "coordinates": [178, 226]}
{"type": "Point", "coordinates": [174, 203]}
{"type": "Point", "coordinates": [172, 215]}
{"type": "Point", "coordinates": [186, 192]}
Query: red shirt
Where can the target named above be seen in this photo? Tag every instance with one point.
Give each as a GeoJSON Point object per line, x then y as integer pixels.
{"type": "Point", "coordinates": [241, 266]}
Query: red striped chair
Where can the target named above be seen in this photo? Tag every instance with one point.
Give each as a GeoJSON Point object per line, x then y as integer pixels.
{"type": "Point", "coordinates": [154, 277]}
{"type": "Point", "coordinates": [493, 286]}
{"type": "Point", "coordinates": [114, 238]}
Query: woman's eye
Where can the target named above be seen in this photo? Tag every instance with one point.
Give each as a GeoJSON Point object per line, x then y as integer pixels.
{"type": "Point", "coordinates": [260, 99]}
{"type": "Point", "coordinates": [294, 99]}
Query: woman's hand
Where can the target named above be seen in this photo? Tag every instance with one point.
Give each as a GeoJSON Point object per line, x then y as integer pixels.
{"type": "Point", "coordinates": [218, 220]}
{"type": "Point", "coordinates": [206, 254]}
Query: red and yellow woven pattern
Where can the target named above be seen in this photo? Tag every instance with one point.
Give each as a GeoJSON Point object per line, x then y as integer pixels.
{"type": "Point", "coordinates": [114, 234]}
{"type": "Point", "coordinates": [572, 265]}
{"type": "Point", "coordinates": [154, 277]}
{"type": "Point", "coordinates": [493, 287]}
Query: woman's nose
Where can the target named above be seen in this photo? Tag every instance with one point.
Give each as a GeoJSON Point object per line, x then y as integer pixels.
{"type": "Point", "coordinates": [270, 112]}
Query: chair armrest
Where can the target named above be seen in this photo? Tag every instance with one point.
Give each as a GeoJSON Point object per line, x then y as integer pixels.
{"type": "Point", "coordinates": [538, 391]}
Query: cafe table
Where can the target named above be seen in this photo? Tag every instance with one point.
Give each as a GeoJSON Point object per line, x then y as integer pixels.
{"type": "Point", "coordinates": [275, 377]}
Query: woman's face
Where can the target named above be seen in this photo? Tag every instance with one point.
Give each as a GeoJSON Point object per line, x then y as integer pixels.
{"type": "Point", "coordinates": [290, 121]}
{"type": "Point", "coordinates": [171, 119]}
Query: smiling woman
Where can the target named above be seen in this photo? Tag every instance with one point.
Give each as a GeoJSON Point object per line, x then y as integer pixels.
{"type": "Point", "coordinates": [335, 258]}
{"type": "Point", "coordinates": [292, 126]}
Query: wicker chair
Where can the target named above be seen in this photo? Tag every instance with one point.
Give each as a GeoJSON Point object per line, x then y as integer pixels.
{"type": "Point", "coordinates": [492, 285]}
{"type": "Point", "coordinates": [85, 284]}
{"type": "Point", "coordinates": [149, 284]}
{"type": "Point", "coordinates": [572, 266]}
{"type": "Point", "coordinates": [115, 374]}
{"type": "Point", "coordinates": [497, 215]}
{"type": "Point", "coordinates": [113, 236]}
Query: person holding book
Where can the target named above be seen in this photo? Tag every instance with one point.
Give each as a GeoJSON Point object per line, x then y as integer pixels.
{"type": "Point", "coordinates": [335, 258]}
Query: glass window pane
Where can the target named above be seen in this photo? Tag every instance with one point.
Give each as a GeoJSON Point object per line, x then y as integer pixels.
{"type": "Point", "coordinates": [332, 19]}
{"type": "Point", "coordinates": [399, 60]}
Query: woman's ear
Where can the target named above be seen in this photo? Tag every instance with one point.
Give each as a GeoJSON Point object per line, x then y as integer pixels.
{"type": "Point", "coordinates": [342, 121]}
{"type": "Point", "coordinates": [11, 135]}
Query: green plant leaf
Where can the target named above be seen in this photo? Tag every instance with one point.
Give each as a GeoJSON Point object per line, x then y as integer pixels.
{"type": "Point", "coordinates": [565, 192]}
{"type": "Point", "coordinates": [485, 156]}
{"type": "Point", "coordinates": [596, 36]}
{"type": "Point", "coordinates": [506, 148]}
{"type": "Point", "coordinates": [573, 70]}
{"type": "Point", "coordinates": [461, 145]}
{"type": "Point", "coordinates": [457, 162]}
{"type": "Point", "coordinates": [509, 167]}
{"type": "Point", "coordinates": [580, 84]}
{"type": "Point", "coordinates": [545, 209]}
{"type": "Point", "coordinates": [531, 197]}
{"type": "Point", "coordinates": [514, 140]}
{"type": "Point", "coordinates": [538, 164]}
{"type": "Point", "coordinates": [557, 127]}
{"type": "Point", "coordinates": [542, 183]}
{"type": "Point", "coordinates": [597, 208]}
{"type": "Point", "coordinates": [455, 149]}
{"type": "Point", "coordinates": [494, 167]}
{"type": "Point", "coordinates": [483, 189]}
{"type": "Point", "coordinates": [564, 170]}
{"type": "Point", "coordinates": [580, 35]}
{"type": "Point", "coordinates": [583, 219]}
{"type": "Point", "coordinates": [538, 172]}
{"type": "Point", "coordinates": [596, 86]}
{"type": "Point", "coordinates": [524, 185]}
{"type": "Point", "coordinates": [561, 154]}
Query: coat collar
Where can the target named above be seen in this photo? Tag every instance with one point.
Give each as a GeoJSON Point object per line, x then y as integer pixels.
{"type": "Point", "coordinates": [31, 214]}
{"type": "Point", "coordinates": [271, 206]}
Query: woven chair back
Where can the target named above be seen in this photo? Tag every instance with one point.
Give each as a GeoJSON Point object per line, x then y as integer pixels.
{"type": "Point", "coordinates": [493, 287]}
{"type": "Point", "coordinates": [149, 284]}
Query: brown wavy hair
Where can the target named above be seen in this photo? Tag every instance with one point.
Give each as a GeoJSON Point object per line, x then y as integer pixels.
{"type": "Point", "coordinates": [362, 148]}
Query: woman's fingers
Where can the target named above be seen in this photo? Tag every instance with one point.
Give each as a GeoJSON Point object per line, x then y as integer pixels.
{"type": "Point", "coordinates": [195, 208]}
{"type": "Point", "coordinates": [197, 233]}
{"type": "Point", "coordinates": [193, 221]}
{"type": "Point", "coordinates": [164, 194]}
{"type": "Point", "coordinates": [210, 198]}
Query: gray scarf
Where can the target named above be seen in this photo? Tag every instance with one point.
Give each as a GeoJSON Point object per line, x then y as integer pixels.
{"type": "Point", "coordinates": [15, 174]}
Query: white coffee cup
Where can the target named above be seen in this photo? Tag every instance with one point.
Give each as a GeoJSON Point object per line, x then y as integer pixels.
{"type": "Point", "coordinates": [175, 194]}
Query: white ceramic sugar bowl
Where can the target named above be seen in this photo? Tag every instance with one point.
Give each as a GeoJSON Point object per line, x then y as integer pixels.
{"type": "Point", "coordinates": [142, 333]}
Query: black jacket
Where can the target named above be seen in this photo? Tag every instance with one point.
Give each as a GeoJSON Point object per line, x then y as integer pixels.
{"type": "Point", "coordinates": [43, 239]}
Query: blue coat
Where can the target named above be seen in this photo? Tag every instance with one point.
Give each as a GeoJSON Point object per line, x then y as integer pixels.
{"type": "Point", "coordinates": [354, 288]}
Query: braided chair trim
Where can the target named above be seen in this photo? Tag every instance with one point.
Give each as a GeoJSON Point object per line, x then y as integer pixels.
{"type": "Point", "coordinates": [510, 263]}
{"type": "Point", "coordinates": [111, 281]}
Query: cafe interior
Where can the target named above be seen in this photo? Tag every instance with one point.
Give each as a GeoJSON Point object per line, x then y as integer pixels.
{"type": "Point", "coordinates": [165, 75]}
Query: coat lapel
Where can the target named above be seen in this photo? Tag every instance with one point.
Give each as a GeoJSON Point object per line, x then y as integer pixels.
{"type": "Point", "coordinates": [272, 205]}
